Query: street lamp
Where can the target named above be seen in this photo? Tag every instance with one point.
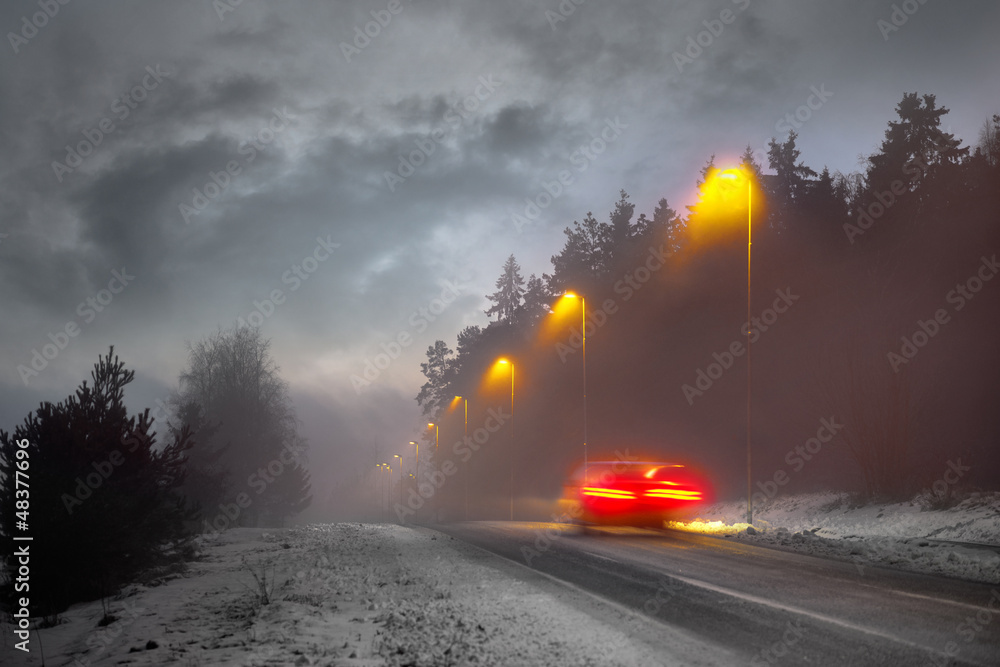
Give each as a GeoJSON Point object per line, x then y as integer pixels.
{"type": "Point", "coordinates": [397, 456]}
{"type": "Point", "coordinates": [583, 333]}
{"type": "Point", "coordinates": [378, 489]}
{"type": "Point", "coordinates": [384, 492]}
{"type": "Point", "coordinates": [436, 428]}
{"type": "Point", "coordinates": [416, 465]}
{"type": "Point", "coordinates": [734, 175]}
{"type": "Point", "coordinates": [466, 434]}
{"type": "Point", "coordinates": [511, 364]}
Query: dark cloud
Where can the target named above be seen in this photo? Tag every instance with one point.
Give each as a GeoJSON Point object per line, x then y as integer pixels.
{"type": "Point", "coordinates": [417, 83]}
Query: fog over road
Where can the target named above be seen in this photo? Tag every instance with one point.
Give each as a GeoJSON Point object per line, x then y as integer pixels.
{"type": "Point", "coordinates": [765, 605]}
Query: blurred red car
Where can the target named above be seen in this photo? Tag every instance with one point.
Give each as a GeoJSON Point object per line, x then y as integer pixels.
{"type": "Point", "coordinates": [633, 493]}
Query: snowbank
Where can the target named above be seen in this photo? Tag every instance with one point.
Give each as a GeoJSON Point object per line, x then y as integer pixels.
{"type": "Point", "coordinates": [908, 535]}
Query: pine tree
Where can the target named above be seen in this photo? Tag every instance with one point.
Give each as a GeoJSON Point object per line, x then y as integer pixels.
{"type": "Point", "coordinates": [510, 292]}
{"type": "Point", "coordinates": [915, 147]}
{"type": "Point", "coordinates": [437, 369]}
{"type": "Point", "coordinates": [581, 261]}
{"type": "Point", "coordinates": [668, 225]}
{"type": "Point", "coordinates": [537, 300]}
{"type": "Point", "coordinates": [105, 497]}
{"type": "Point", "coordinates": [749, 161]}
{"type": "Point", "coordinates": [791, 179]}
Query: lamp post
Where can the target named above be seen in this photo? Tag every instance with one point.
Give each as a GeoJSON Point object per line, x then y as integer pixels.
{"type": "Point", "coordinates": [583, 333]}
{"type": "Point", "coordinates": [397, 456]}
{"type": "Point", "coordinates": [416, 458]}
{"type": "Point", "coordinates": [388, 488]}
{"type": "Point", "coordinates": [734, 174]}
{"type": "Point", "coordinates": [378, 489]}
{"type": "Point", "coordinates": [466, 434]}
{"type": "Point", "coordinates": [511, 364]}
{"type": "Point", "coordinates": [382, 490]}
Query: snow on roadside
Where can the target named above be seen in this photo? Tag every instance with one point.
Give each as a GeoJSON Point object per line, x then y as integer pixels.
{"type": "Point", "coordinates": [345, 595]}
{"type": "Point", "coordinates": [908, 535]}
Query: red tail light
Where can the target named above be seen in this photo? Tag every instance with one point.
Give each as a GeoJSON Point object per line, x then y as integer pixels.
{"type": "Point", "coordinates": [607, 493]}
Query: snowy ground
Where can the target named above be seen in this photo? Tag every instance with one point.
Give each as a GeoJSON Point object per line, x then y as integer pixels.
{"type": "Point", "coordinates": [343, 595]}
{"type": "Point", "coordinates": [908, 535]}
{"type": "Point", "coordinates": [375, 594]}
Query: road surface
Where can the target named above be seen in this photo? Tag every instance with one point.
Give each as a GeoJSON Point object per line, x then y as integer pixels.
{"type": "Point", "coordinates": [761, 606]}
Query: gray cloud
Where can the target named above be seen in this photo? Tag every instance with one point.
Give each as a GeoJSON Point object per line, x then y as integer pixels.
{"type": "Point", "coordinates": [324, 176]}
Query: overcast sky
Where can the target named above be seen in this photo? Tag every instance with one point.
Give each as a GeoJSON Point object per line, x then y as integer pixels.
{"type": "Point", "coordinates": [116, 115]}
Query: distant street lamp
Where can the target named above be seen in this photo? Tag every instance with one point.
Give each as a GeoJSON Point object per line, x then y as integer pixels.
{"type": "Point", "coordinates": [378, 489]}
{"type": "Point", "coordinates": [436, 428]}
{"type": "Point", "coordinates": [416, 459]}
{"type": "Point", "coordinates": [583, 333]}
{"type": "Point", "coordinates": [397, 456]}
{"type": "Point", "coordinates": [511, 364]}
{"type": "Point", "coordinates": [384, 492]}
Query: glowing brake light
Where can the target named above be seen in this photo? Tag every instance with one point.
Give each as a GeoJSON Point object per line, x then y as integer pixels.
{"type": "Point", "coordinates": [607, 493]}
{"type": "Point", "coordinates": [676, 494]}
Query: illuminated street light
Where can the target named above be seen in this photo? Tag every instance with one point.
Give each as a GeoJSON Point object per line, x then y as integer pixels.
{"type": "Point", "coordinates": [384, 493]}
{"type": "Point", "coordinates": [416, 465]}
{"type": "Point", "coordinates": [416, 458]}
{"type": "Point", "coordinates": [436, 430]}
{"type": "Point", "coordinates": [735, 175]}
{"type": "Point", "coordinates": [583, 333]}
{"type": "Point", "coordinates": [397, 456]}
{"type": "Point", "coordinates": [511, 364]}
